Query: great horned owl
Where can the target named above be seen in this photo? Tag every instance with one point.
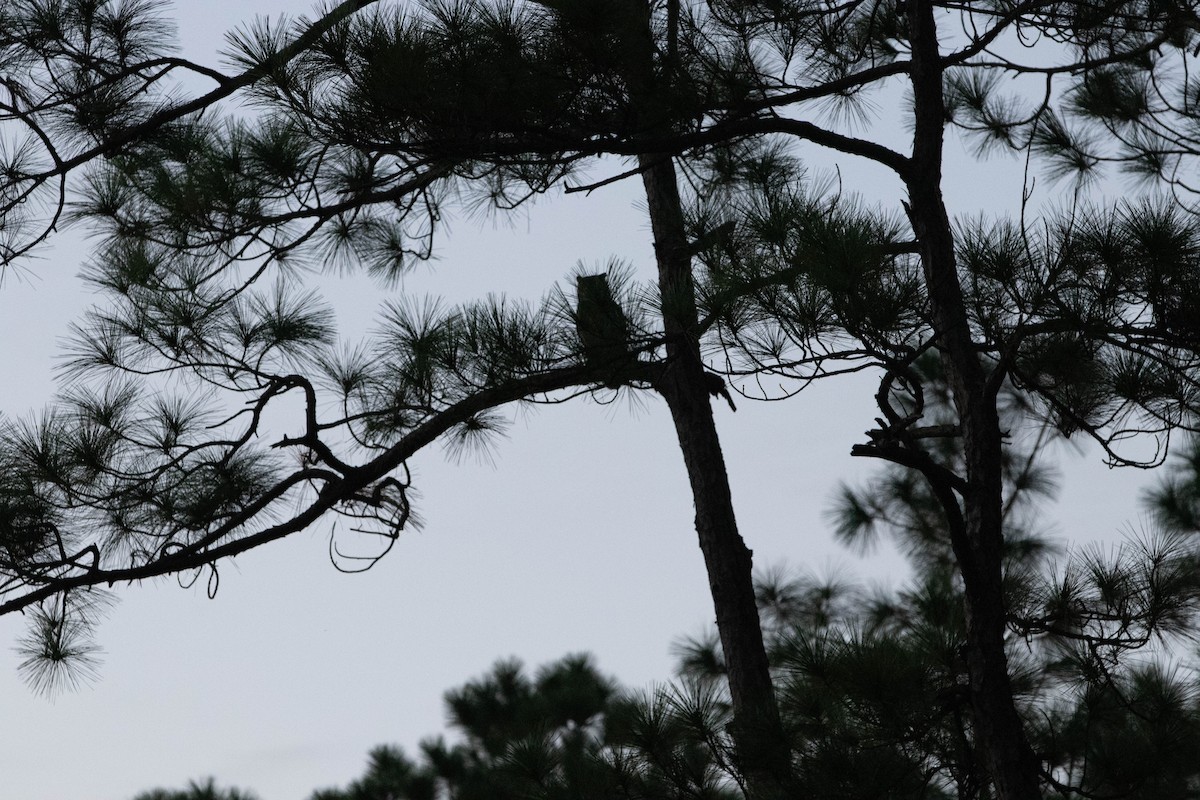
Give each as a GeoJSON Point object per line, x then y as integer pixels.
{"type": "Point", "coordinates": [602, 326]}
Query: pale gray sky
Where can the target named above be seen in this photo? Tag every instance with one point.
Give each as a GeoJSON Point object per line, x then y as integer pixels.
{"type": "Point", "coordinates": [579, 538]}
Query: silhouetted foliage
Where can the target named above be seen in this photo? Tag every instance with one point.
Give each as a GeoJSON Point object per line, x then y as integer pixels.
{"type": "Point", "coordinates": [373, 121]}
{"type": "Point", "coordinates": [871, 683]}
{"type": "Point", "coordinates": [198, 790]}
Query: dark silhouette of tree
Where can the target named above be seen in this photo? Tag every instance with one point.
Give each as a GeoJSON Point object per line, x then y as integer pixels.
{"type": "Point", "coordinates": [1175, 501]}
{"type": "Point", "coordinates": [872, 695]}
{"type": "Point", "coordinates": [205, 790]}
{"type": "Point", "coordinates": [872, 685]}
{"type": "Point", "coordinates": [515, 733]}
{"type": "Point", "coordinates": [1090, 633]}
{"type": "Point", "coordinates": [1085, 316]}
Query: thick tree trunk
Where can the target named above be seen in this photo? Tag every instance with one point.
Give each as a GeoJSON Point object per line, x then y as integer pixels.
{"type": "Point", "coordinates": [762, 752]}
{"type": "Point", "coordinates": [977, 537]}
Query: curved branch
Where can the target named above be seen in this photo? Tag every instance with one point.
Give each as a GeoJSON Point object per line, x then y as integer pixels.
{"type": "Point", "coordinates": [348, 487]}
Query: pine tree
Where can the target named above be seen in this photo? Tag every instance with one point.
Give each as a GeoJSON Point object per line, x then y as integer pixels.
{"type": "Point", "coordinates": [196, 790]}
{"type": "Point", "coordinates": [517, 736]}
{"type": "Point", "coordinates": [1085, 316]}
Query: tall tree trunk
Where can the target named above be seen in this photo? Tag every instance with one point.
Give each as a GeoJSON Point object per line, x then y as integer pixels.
{"type": "Point", "coordinates": [762, 751]}
{"type": "Point", "coordinates": [977, 535]}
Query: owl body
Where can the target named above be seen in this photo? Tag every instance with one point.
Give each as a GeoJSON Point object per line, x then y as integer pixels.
{"type": "Point", "coordinates": [602, 325]}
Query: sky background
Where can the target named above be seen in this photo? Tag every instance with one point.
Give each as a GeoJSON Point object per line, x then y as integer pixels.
{"type": "Point", "coordinates": [578, 538]}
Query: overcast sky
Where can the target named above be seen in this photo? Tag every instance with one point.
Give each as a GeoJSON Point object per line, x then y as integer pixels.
{"type": "Point", "coordinates": [579, 538]}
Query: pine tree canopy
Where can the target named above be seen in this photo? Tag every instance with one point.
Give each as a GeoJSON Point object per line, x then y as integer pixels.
{"type": "Point", "coordinates": [871, 685]}
{"type": "Point", "coordinates": [344, 142]}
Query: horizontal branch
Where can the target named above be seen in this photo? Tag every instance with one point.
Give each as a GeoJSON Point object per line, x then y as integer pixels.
{"type": "Point", "coordinates": [226, 87]}
{"type": "Point", "coordinates": [914, 459]}
{"type": "Point", "coordinates": [335, 491]}
{"type": "Point", "coordinates": [570, 144]}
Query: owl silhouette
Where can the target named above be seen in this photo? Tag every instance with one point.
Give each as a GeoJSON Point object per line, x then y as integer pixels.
{"type": "Point", "coordinates": [602, 326]}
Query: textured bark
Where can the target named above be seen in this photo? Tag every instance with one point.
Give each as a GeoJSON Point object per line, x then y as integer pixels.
{"type": "Point", "coordinates": [762, 751]}
{"type": "Point", "coordinates": [977, 537]}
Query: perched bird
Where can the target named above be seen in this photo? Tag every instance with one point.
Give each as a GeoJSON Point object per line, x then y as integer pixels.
{"type": "Point", "coordinates": [602, 326]}
{"type": "Point", "coordinates": [715, 385]}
